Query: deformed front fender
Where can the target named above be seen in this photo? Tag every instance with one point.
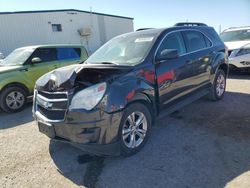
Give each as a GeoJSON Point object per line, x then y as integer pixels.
{"type": "Point", "coordinates": [123, 92]}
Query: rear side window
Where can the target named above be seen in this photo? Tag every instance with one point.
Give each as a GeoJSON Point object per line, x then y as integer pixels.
{"type": "Point", "coordinates": [195, 41]}
{"type": "Point", "coordinates": [173, 41]}
{"type": "Point", "coordinates": [45, 54]}
{"type": "Point", "coordinates": [68, 53]}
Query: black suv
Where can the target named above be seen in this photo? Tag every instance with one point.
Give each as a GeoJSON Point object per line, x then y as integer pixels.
{"type": "Point", "coordinates": [107, 105]}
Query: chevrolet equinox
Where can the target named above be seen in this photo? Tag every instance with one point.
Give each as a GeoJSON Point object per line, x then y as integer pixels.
{"type": "Point", "coordinates": [107, 105]}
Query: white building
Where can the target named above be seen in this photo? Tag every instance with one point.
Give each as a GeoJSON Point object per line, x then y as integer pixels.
{"type": "Point", "coordinates": [69, 26]}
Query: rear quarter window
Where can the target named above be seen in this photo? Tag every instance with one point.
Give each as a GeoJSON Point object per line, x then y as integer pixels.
{"type": "Point", "coordinates": [68, 53]}
{"type": "Point", "coordinates": [208, 42]}
{"type": "Point", "coordinates": [213, 35]}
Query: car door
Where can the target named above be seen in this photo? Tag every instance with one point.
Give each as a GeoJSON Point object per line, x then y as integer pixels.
{"type": "Point", "coordinates": [68, 56]}
{"type": "Point", "coordinates": [173, 75]}
{"type": "Point", "coordinates": [200, 56]}
{"type": "Point", "coordinates": [47, 63]}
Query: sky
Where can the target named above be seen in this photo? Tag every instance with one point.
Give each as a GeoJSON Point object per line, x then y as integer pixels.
{"type": "Point", "coordinates": [154, 13]}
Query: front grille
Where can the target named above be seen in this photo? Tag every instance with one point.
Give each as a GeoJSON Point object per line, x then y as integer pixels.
{"type": "Point", "coordinates": [51, 106]}
{"type": "Point", "coordinates": [52, 114]}
{"type": "Point", "coordinates": [55, 95]}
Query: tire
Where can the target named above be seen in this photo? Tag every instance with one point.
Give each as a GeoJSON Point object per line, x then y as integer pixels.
{"type": "Point", "coordinates": [13, 99]}
{"type": "Point", "coordinates": [134, 136]}
{"type": "Point", "coordinates": [218, 88]}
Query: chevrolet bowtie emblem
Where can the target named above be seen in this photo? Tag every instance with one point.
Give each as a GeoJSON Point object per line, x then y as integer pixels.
{"type": "Point", "coordinates": [47, 105]}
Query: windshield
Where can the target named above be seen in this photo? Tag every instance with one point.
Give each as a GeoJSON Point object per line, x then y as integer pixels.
{"type": "Point", "coordinates": [17, 57]}
{"type": "Point", "coordinates": [237, 35]}
{"type": "Point", "coordinates": [128, 49]}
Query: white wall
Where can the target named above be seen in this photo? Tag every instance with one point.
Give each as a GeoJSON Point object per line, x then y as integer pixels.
{"type": "Point", "coordinates": [24, 29]}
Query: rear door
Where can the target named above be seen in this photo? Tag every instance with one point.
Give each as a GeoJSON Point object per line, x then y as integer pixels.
{"type": "Point", "coordinates": [200, 56]}
{"type": "Point", "coordinates": [68, 56]}
{"type": "Point", "coordinates": [173, 75]}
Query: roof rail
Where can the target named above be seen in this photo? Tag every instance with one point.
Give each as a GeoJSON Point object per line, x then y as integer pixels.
{"type": "Point", "coordinates": [141, 29]}
{"type": "Point", "coordinates": [190, 24]}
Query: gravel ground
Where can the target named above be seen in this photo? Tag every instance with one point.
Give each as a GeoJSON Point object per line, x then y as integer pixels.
{"type": "Point", "coordinates": [205, 144]}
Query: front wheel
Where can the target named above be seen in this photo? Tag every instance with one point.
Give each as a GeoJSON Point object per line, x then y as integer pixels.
{"type": "Point", "coordinates": [134, 128]}
{"type": "Point", "coordinates": [13, 99]}
{"type": "Point", "coordinates": [219, 86]}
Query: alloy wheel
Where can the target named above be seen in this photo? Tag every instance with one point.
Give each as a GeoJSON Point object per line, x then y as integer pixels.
{"type": "Point", "coordinates": [134, 129]}
{"type": "Point", "coordinates": [220, 85]}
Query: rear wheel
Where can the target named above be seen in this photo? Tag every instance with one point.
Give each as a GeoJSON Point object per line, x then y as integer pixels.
{"type": "Point", "coordinates": [13, 99]}
{"type": "Point", "coordinates": [134, 128]}
{"type": "Point", "coordinates": [219, 86]}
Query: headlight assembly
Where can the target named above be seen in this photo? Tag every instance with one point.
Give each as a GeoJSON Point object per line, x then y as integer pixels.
{"type": "Point", "coordinates": [244, 50]}
{"type": "Point", "coordinates": [88, 98]}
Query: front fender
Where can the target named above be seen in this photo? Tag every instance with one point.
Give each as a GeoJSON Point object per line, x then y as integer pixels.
{"type": "Point", "coordinates": [14, 79]}
{"type": "Point", "coordinates": [124, 92]}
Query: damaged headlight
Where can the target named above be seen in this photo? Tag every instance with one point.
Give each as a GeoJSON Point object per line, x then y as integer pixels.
{"type": "Point", "coordinates": [88, 98]}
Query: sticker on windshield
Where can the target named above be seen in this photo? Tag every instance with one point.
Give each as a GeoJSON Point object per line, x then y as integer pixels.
{"type": "Point", "coordinates": [144, 39]}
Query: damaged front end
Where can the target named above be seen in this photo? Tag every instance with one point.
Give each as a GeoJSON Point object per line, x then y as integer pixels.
{"type": "Point", "coordinates": [70, 102]}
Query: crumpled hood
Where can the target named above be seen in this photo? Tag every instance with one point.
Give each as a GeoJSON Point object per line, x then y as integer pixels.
{"type": "Point", "coordinates": [64, 78]}
{"type": "Point", "coordinates": [236, 44]}
{"type": "Point", "coordinates": [4, 69]}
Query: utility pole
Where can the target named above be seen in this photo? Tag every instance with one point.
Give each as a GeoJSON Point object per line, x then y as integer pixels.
{"type": "Point", "coordinates": [220, 29]}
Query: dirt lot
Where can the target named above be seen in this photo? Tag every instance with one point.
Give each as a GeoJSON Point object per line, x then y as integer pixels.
{"type": "Point", "coordinates": [206, 144]}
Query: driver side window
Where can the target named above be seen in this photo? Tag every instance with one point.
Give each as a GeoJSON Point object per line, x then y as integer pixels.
{"type": "Point", "coordinates": [45, 54]}
{"type": "Point", "coordinates": [173, 41]}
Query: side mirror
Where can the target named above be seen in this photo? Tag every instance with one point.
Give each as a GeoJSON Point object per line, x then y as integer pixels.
{"type": "Point", "coordinates": [167, 54]}
{"type": "Point", "coordinates": [36, 60]}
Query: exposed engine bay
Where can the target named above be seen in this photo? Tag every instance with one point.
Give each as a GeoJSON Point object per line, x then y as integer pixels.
{"type": "Point", "coordinates": [88, 77]}
{"type": "Point", "coordinates": [80, 76]}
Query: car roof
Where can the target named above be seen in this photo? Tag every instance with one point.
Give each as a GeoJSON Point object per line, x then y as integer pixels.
{"type": "Point", "coordinates": [150, 30]}
{"type": "Point", "coordinates": [51, 46]}
{"type": "Point", "coordinates": [160, 30]}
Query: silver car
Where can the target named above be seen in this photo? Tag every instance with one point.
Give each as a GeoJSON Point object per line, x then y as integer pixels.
{"type": "Point", "coordinates": [237, 40]}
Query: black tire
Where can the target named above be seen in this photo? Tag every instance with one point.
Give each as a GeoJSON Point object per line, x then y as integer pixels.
{"type": "Point", "coordinates": [139, 109]}
{"type": "Point", "coordinates": [22, 95]}
{"type": "Point", "coordinates": [214, 95]}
